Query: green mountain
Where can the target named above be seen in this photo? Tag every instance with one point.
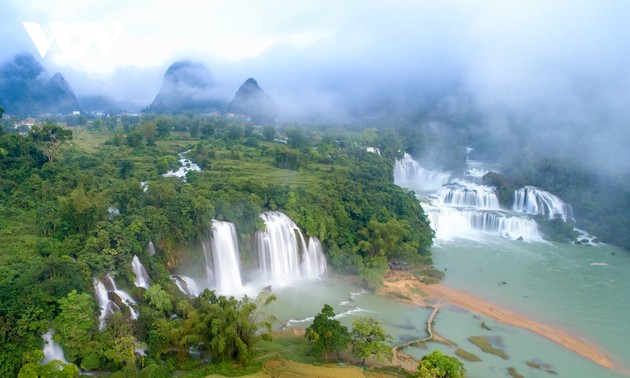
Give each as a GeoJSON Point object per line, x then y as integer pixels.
{"type": "Point", "coordinates": [26, 88]}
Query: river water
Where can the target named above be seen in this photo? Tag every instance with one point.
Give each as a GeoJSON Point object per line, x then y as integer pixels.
{"type": "Point", "coordinates": [584, 290]}
{"type": "Point", "coordinates": [498, 255]}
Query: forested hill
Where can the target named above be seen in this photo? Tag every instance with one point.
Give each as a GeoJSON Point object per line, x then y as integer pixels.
{"type": "Point", "coordinates": [77, 204]}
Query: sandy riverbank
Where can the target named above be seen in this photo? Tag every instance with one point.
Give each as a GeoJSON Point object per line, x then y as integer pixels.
{"type": "Point", "coordinates": [400, 282]}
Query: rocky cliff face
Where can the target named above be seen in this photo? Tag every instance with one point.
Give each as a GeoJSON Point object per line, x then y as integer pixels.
{"type": "Point", "coordinates": [250, 100]}
{"type": "Point", "coordinates": [26, 88]}
{"type": "Point", "coordinates": [188, 86]}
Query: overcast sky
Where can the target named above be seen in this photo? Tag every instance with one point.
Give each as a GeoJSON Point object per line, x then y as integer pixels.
{"type": "Point", "coordinates": [559, 65]}
{"type": "Point", "coordinates": [490, 45]}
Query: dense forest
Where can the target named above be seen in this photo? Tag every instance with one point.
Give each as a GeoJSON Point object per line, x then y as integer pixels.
{"type": "Point", "coordinates": [78, 203]}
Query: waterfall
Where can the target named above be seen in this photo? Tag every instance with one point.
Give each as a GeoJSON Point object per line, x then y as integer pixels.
{"type": "Point", "coordinates": [186, 285]}
{"type": "Point", "coordinates": [142, 278]}
{"type": "Point", "coordinates": [467, 194]}
{"type": "Point", "coordinates": [151, 249]}
{"type": "Point", "coordinates": [52, 350]}
{"type": "Point", "coordinates": [108, 306]}
{"type": "Point", "coordinates": [462, 209]}
{"type": "Point", "coordinates": [283, 253]}
{"type": "Point", "coordinates": [223, 259]}
{"type": "Point", "coordinates": [410, 174]}
{"type": "Point", "coordinates": [532, 200]}
{"type": "Point", "coordinates": [313, 261]}
{"type": "Point", "coordinates": [449, 223]}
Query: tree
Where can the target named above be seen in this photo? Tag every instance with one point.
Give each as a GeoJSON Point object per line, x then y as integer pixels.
{"type": "Point", "coordinates": [269, 132]}
{"type": "Point", "coordinates": [134, 139]}
{"type": "Point", "coordinates": [49, 138]}
{"type": "Point", "coordinates": [163, 128]}
{"type": "Point", "coordinates": [158, 298]}
{"type": "Point", "coordinates": [126, 166]}
{"type": "Point", "coordinates": [369, 338]}
{"type": "Point", "coordinates": [385, 239]}
{"type": "Point", "coordinates": [149, 132]}
{"type": "Point", "coordinates": [75, 324]}
{"type": "Point", "coordinates": [390, 143]}
{"type": "Point", "coordinates": [232, 327]}
{"type": "Point", "coordinates": [327, 333]}
{"type": "Point", "coordinates": [53, 369]}
{"type": "Point", "coordinates": [438, 365]}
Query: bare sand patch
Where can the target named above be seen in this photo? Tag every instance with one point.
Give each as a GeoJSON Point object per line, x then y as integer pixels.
{"type": "Point", "coordinates": [405, 284]}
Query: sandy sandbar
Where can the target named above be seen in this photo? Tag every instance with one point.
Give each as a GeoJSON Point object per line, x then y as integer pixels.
{"type": "Point", "coordinates": [402, 283]}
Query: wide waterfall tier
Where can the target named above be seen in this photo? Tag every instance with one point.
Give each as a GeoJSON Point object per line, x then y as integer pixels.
{"type": "Point", "coordinates": [531, 200]}
{"type": "Point", "coordinates": [223, 259]}
{"type": "Point", "coordinates": [52, 350]}
{"type": "Point", "coordinates": [142, 277]}
{"type": "Point", "coordinates": [450, 223]}
{"type": "Point", "coordinates": [469, 195]}
{"type": "Point", "coordinates": [109, 298]}
{"type": "Point", "coordinates": [284, 255]}
{"type": "Point", "coordinates": [410, 174]}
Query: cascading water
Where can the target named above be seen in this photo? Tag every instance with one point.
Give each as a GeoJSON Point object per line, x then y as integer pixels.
{"type": "Point", "coordinates": [313, 261]}
{"type": "Point", "coordinates": [223, 259]}
{"type": "Point", "coordinates": [410, 174]}
{"type": "Point", "coordinates": [52, 350]}
{"type": "Point", "coordinates": [126, 299]}
{"type": "Point", "coordinates": [284, 254]}
{"type": "Point", "coordinates": [467, 194]}
{"type": "Point", "coordinates": [463, 209]}
{"type": "Point", "coordinates": [186, 285]}
{"type": "Point", "coordinates": [103, 290]}
{"type": "Point", "coordinates": [142, 277]}
{"type": "Point", "coordinates": [186, 166]}
{"type": "Point", "coordinates": [531, 200]}
{"type": "Point", "coordinates": [107, 306]}
{"type": "Point", "coordinates": [278, 249]}
{"type": "Point", "coordinates": [151, 249]}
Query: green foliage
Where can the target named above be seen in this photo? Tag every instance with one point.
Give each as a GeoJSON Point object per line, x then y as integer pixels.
{"type": "Point", "coordinates": [49, 138]}
{"type": "Point", "coordinates": [57, 233]}
{"type": "Point", "coordinates": [390, 143]}
{"type": "Point", "coordinates": [75, 324]}
{"type": "Point", "coordinates": [486, 346]}
{"type": "Point", "coordinates": [438, 365]}
{"type": "Point", "coordinates": [327, 333]}
{"type": "Point", "coordinates": [557, 229]}
{"type": "Point", "coordinates": [53, 369]}
{"type": "Point", "coordinates": [163, 128]}
{"type": "Point", "coordinates": [505, 187]}
{"type": "Point", "coordinates": [233, 327]}
{"type": "Point", "coordinates": [296, 138]}
{"type": "Point", "coordinates": [155, 371]}
{"type": "Point", "coordinates": [269, 132]}
{"type": "Point", "coordinates": [225, 328]}
{"type": "Point", "coordinates": [158, 298]}
{"type": "Point", "coordinates": [370, 339]}
{"type": "Point", "coordinates": [599, 202]}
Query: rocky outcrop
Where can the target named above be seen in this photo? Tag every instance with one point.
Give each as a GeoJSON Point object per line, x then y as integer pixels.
{"type": "Point", "coordinates": [188, 86]}
{"type": "Point", "coordinates": [251, 101]}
